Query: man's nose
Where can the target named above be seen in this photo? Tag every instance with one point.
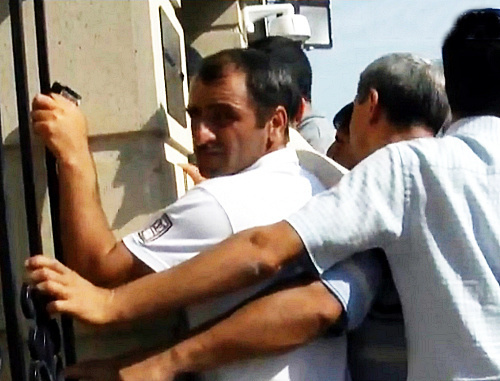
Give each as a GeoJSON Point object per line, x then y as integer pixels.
{"type": "Point", "coordinates": [203, 134]}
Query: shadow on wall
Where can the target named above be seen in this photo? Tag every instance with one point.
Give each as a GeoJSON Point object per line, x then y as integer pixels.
{"type": "Point", "coordinates": [134, 162]}
{"type": "Point", "coordinates": [147, 179]}
{"type": "Point", "coordinates": [13, 180]}
{"type": "Point", "coordinates": [138, 162]}
{"type": "Point", "coordinates": [194, 25]}
{"type": "Point", "coordinates": [4, 10]}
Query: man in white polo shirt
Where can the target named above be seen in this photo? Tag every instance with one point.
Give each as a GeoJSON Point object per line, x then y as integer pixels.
{"type": "Point", "coordinates": [239, 106]}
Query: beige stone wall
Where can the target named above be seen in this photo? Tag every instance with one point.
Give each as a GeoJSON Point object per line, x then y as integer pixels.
{"type": "Point", "coordinates": [116, 64]}
{"type": "Point", "coordinates": [111, 53]}
{"type": "Point", "coordinates": [213, 25]}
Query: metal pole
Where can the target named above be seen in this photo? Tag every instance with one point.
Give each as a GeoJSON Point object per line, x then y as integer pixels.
{"type": "Point", "coordinates": [17, 362]}
{"type": "Point", "coordinates": [50, 163]}
{"type": "Point", "coordinates": [20, 73]}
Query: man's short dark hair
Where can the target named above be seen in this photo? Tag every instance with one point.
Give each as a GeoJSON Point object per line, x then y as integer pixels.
{"type": "Point", "coordinates": [268, 85]}
{"type": "Point", "coordinates": [411, 90]}
{"type": "Point", "coordinates": [289, 54]}
{"type": "Point", "coordinates": [471, 61]}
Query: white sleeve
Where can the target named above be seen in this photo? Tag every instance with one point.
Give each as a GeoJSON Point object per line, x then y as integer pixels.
{"type": "Point", "coordinates": [355, 282]}
{"type": "Point", "coordinates": [365, 209]}
{"type": "Point", "coordinates": [193, 223]}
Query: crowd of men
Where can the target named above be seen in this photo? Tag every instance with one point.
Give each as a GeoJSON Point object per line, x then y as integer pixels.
{"type": "Point", "coordinates": [291, 267]}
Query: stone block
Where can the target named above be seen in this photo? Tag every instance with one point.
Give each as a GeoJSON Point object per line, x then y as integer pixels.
{"type": "Point", "coordinates": [213, 41]}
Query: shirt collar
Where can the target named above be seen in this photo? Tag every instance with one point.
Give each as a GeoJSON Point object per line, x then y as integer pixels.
{"type": "Point", "coordinates": [473, 125]}
{"type": "Point", "coordinates": [276, 158]}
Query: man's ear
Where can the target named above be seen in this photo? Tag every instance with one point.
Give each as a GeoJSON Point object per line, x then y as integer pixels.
{"type": "Point", "coordinates": [374, 106]}
{"type": "Point", "coordinates": [277, 126]}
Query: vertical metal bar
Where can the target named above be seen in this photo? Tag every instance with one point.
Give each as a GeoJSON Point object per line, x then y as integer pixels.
{"type": "Point", "coordinates": [18, 366]}
{"type": "Point", "coordinates": [50, 163]}
{"type": "Point", "coordinates": [20, 73]}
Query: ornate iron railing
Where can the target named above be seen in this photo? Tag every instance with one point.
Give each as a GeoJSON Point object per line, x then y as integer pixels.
{"type": "Point", "coordinates": [44, 338]}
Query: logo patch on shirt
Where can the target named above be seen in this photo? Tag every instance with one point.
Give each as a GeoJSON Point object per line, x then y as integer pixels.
{"type": "Point", "coordinates": [156, 230]}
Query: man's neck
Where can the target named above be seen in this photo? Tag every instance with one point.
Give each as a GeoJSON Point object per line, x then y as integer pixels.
{"type": "Point", "coordinates": [412, 132]}
{"type": "Point", "coordinates": [275, 148]}
{"type": "Point", "coordinates": [307, 109]}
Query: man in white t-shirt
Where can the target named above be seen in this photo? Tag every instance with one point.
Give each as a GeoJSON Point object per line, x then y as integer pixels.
{"type": "Point", "coordinates": [239, 106]}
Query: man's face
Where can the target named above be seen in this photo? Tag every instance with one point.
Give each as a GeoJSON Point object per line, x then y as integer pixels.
{"type": "Point", "coordinates": [227, 137]}
{"type": "Point", "coordinates": [363, 133]}
{"type": "Point", "coordinates": [341, 149]}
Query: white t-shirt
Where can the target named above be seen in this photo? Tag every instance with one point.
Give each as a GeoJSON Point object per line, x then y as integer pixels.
{"type": "Point", "coordinates": [266, 192]}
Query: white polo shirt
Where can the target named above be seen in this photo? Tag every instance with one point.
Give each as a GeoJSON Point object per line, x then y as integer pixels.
{"type": "Point", "coordinates": [266, 192]}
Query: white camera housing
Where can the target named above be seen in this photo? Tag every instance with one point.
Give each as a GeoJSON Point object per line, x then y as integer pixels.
{"type": "Point", "coordinates": [286, 23]}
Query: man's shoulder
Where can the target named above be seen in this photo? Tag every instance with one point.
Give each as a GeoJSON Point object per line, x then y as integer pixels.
{"type": "Point", "coordinates": [415, 150]}
{"type": "Point", "coordinates": [264, 194]}
{"type": "Point", "coordinates": [283, 162]}
{"type": "Point", "coordinates": [466, 133]}
{"type": "Point", "coordinates": [307, 165]}
{"type": "Point", "coordinates": [238, 180]}
{"type": "Point", "coordinates": [448, 151]}
{"type": "Point", "coordinates": [192, 199]}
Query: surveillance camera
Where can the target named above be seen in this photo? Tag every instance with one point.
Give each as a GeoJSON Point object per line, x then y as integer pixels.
{"type": "Point", "coordinates": [295, 27]}
{"type": "Point", "coordinates": [286, 23]}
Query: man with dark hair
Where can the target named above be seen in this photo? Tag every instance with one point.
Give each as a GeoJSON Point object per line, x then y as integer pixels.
{"type": "Point", "coordinates": [431, 204]}
{"type": "Point", "coordinates": [473, 84]}
{"type": "Point", "coordinates": [239, 108]}
{"type": "Point", "coordinates": [267, 89]}
{"type": "Point", "coordinates": [341, 150]}
{"type": "Point", "coordinates": [239, 105]}
{"type": "Point", "coordinates": [314, 128]}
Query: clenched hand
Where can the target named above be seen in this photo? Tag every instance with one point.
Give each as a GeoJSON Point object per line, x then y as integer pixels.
{"type": "Point", "coordinates": [61, 125]}
{"type": "Point", "coordinates": [71, 294]}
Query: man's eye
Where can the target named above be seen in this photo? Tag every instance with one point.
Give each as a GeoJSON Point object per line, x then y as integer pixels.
{"type": "Point", "coordinates": [221, 117]}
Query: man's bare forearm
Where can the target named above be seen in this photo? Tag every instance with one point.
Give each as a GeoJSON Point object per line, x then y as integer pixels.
{"type": "Point", "coordinates": [242, 260]}
{"type": "Point", "coordinates": [86, 234]}
{"type": "Point", "coordinates": [89, 245]}
{"type": "Point", "coordinates": [273, 324]}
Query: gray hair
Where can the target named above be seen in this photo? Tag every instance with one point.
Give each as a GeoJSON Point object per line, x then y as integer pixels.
{"type": "Point", "coordinates": [411, 90]}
